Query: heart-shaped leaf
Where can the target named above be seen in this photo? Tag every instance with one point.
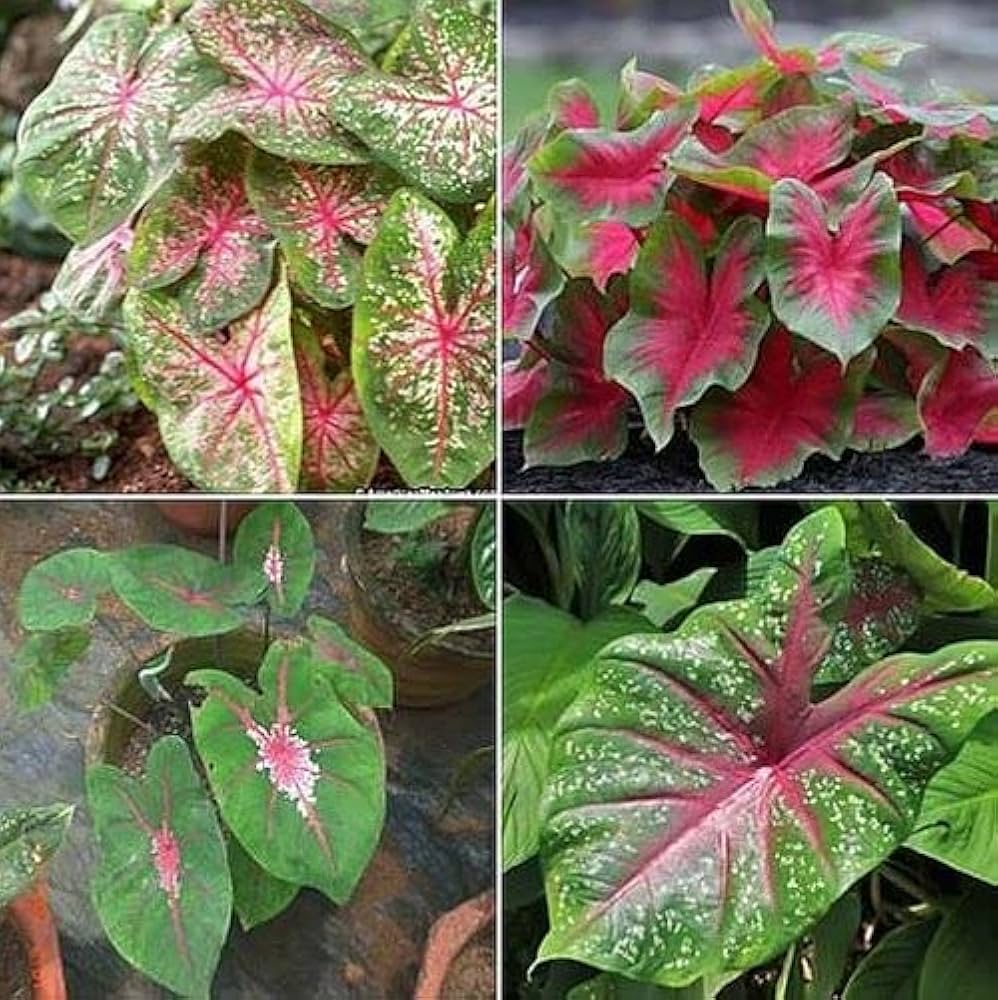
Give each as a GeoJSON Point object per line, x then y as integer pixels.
{"type": "Point", "coordinates": [884, 420]}
{"type": "Point", "coordinates": [256, 895]}
{"type": "Point", "coordinates": [423, 349]}
{"type": "Point", "coordinates": [838, 287]}
{"type": "Point", "coordinates": [42, 661]}
{"type": "Point", "coordinates": [688, 329]}
{"type": "Point", "coordinates": [162, 888]}
{"type": "Point", "coordinates": [285, 64]}
{"type": "Point", "coordinates": [29, 838]}
{"type": "Point", "coordinates": [531, 279]}
{"type": "Point", "coordinates": [358, 676]}
{"type": "Point", "coordinates": [956, 399]}
{"type": "Point", "coordinates": [300, 782]}
{"type": "Point", "coordinates": [524, 383]}
{"type": "Point", "coordinates": [696, 787]}
{"type": "Point", "coordinates": [62, 590]}
{"type": "Point", "coordinates": [571, 105]}
{"type": "Point", "coordinates": [433, 119]}
{"type": "Point", "coordinates": [95, 144]}
{"type": "Point", "coordinates": [596, 250]}
{"type": "Point", "coordinates": [229, 406]}
{"type": "Point", "coordinates": [200, 235]}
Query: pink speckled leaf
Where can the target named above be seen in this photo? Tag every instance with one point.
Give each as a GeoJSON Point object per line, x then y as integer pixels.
{"type": "Point", "coordinates": [95, 144]}
{"type": "Point", "coordinates": [572, 105]}
{"type": "Point", "coordinates": [201, 238]}
{"type": "Point", "coordinates": [228, 404]}
{"type": "Point", "coordinates": [957, 400]}
{"type": "Point", "coordinates": [836, 282]}
{"type": "Point", "coordinates": [93, 279]}
{"type": "Point", "coordinates": [531, 279]}
{"type": "Point", "coordinates": [689, 327]}
{"type": "Point", "coordinates": [285, 63]}
{"type": "Point", "coordinates": [596, 250]}
{"type": "Point", "coordinates": [323, 217]}
{"type": "Point", "coordinates": [796, 403]}
{"type": "Point", "coordinates": [884, 420]}
{"type": "Point", "coordinates": [697, 784]}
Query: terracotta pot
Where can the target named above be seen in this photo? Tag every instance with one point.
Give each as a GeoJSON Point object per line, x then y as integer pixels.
{"type": "Point", "coordinates": [202, 517]}
{"type": "Point", "coordinates": [438, 673]}
{"type": "Point", "coordinates": [32, 919]}
{"type": "Point", "coordinates": [449, 936]}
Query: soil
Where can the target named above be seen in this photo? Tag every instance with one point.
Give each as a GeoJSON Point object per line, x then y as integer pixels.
{"type": "Point", "coordinates": [472, 976]}
{"type": "Point", "coordinates": [676, 470]}
{"type": "Point", "coordinates": [22, 280]}
{"type": "Point", "coordinates": [30, 56]}
{"type": "Point", "coordinates": [15, 976]}
{"type": "Point", "coordinates": [164, 718]}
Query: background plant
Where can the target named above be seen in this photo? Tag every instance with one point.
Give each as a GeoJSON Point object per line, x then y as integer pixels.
{"type": "Point", "coordinates": [791, 257]}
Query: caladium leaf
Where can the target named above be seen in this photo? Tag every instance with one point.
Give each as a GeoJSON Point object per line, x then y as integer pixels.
{"type": "Point", "coordinates": [41, 662]}
{"type": "Point", "coordinates": [894, 966]}
{"type": "Point", "coordinates": [596, 250]}
{"type": "Point", "coordinates": [572, 105]}
{"type": "Point", "coordinates": [957, 397]}
{"type": "Point", "coordinates": [483, 557]}
{"type": "Point", "coordinates": [62, 590]}
{"type": "Point", "coordinates": [756, 19]}
{"type": "Point", "coordinates": [434, 122]}
{"type": "Point", "coordinates": [838, 287]}
{"type": "Point", "coordinates": [95, 144]}
{"type": "Point", "coordinates": [688, 329]}
{"type": "Point", "coordinates": [229, 407]}
{"type": "Point", "coordinates": [93, 279]}
{"type": "Point", "coordinates": [944, 229]}
{"type": "Point", "coordinates": [531, 279]}
{"type": "Point", "coordinates": [884, 420]}
{"type": "Point", "coordinates": [423, 348]}
{"type": "Point", "coordinates": [358, 676]}
{"type": "Point", "coordinates": [173, 589]}
{"type": "Point", "coordinates": [29, 839]}
{"type": "Point", "coordinates": [322, 216]}
{"type": "Point", "coordinates": [285, 64]}
{"type": "Point", "coordinates": [695, 785]}
{"type": "Point", "coordinates": [274, 548]}
{"type": "Point", "coordinates": [516, 202]}
{"type": "Point", "coordinates": [256, 895]}
{"type": "Point", "coordinates": [300, 782]}
{"type": "Point", "coordinates": [792, 407]}
{"type": "Point", "coordinates": [200, 236]}
{"type": "Point", "coordinates": [599, 174]}
{"type": "Point", "coordinates": [875, 51]}
{"type": "Point", "coordinates": [641, 94]}
{"type": "Point", "coordinates": [162, 888]}
{"type": "Point", "coordinates": [524, 383]}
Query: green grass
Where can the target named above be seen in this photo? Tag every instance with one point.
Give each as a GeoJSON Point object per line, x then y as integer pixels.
{"type": "Point", "coordinates": [526, 86]}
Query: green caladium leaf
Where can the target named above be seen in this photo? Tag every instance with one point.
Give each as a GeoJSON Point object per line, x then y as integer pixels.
{"type": "Point", "coordinates": [95, 144]}
{"type": "Point", "coordinates": [229, 405]}
{"type": "Point", "coordinates": [358, 676]}
{"type": "Point", "coordinates": [696, 786]}
{"type": "Point", "coordinates": [299, 780]}
{"type": "Point", "coordinates": [483, 556]}
{"type": "Point", "coordinates": [423, 349]}
{"type": "Point", "coordinates": [42, 661]}
{"type": "Point", "coordinates": [162, 888]}
{"type": "Point", "coordinates": [274, 546]}
{"type": "Point", "coordinates": [433, 117]}
{"type": "Point", "coordinates": [256, 895]}
{"type": "Point", "coordinates": [200, 236]}
{"type": "Point", "coordinates": [396, 517]}
{"type": "Point", "coordinates": [738, 521]}
{"type": "Point", "coordinates": [323, 216]}
{"type": "Point", "coordinates": [662, 603]}
{"type": "Point", "coordinates": [173, 589]}
{"type": "Point", "coordinates": [893, 967]}
{"type": "Point", "coordinates": [29, 838]}
{"type": "Point", "coordinates": [285, 64]}
{"type": "Point", "coordinates": [62, 590]}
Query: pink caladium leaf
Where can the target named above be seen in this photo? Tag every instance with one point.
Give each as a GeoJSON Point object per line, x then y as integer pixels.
{"type": "Point", "coordinates": [835, 282]}
{"type": "Point", "coordinates": [323, 217]}
{"type": "Point", "coordinates": [93, 279]}
{"type": "Point", "coordinates": [689, 327]}
{"type": "Point", "coordinates": [796, 403]}
{"type": "Point", "coordinates": [516, 203]}
{"type": "Point", "coordinates": [957, 399]}
{"type": "Point", "coordinates": [877, 52]}
{"type": "Point", "coordinates": [531, 279]}
{"type": "Point", "coordinates": [596, 250]}
{"type": "Point", "coordinates": [162, 888]}
{"type": "Point", "coordinates": [299, 780]}
{"type": "Point", "coordinates": [285, 63]}
{"type": "Point", "coordinates": [732, 94]}
{"type": "Point", "coordinates": [884, 420]}
{"type": "Point", "coordinates": [524, 383]}
{"type": "Point", "coordinates": [200, 237]}
{"type": "Point", "coordinates": [572, 105]}
{"type": "Point", "coordinates": [95, 144]}
{"type": "Point", "coordinates": [228, 404]}
{"type": "Point", "coordinates": [946, 230]}
{"type": "Point", "coordinates": [433, 119]}
{"type": "Point", "coordinates": [756, 20]}
{"type": "Point", "coordinates": [597, 174]}
{"type": "Point", "coordinates": [641, 94]}
{"type": "Point", "coordinates": [423, 352]}
{"type": "Point", "coordinates": [696, 784]}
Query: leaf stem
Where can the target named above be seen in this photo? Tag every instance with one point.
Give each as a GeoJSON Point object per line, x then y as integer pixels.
{"type": "Point", "coordinates": [906, 884]}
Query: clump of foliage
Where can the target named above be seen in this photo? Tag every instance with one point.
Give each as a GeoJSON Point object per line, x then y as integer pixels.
{"type": "Point", "coordinates": [288, 201]}
{"type": "Point", "coordinates": [745, 770]}
{"type": "Point", "coordinates": [286, 785]}
{"type": "Point", "coordinates": [788, 258]}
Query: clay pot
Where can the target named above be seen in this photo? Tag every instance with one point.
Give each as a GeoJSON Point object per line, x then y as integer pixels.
{"type": "Point", "coordinates": [438, 673]}
{"type": "Point", "coordinates": [449, 936]}
{"type": "Point", "coordinates": [202, 517]}
{"type": "Point", "coordinates": [33, 921]}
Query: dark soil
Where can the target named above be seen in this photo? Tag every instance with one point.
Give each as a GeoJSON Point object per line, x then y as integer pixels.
{"type": "Point", "coordinates": [30, 56]}
{"type": "Point", "coordinates": [676, 470]}
{"type": "Point", "coordinates": [164, 718]}
{"type": "Point", "coordinates": [472, 976]}
{"type": "Point", "coordinates": [15, 976]}
{"type": "Point", "coordinates": [21, 281]}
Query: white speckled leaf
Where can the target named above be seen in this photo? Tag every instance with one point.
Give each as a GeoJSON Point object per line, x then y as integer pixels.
{"type": "Point", "coordinates": [228, 403]}
{"type": "Point", "coordinates": [424, 343]}
{"type": "Point", "coordinates": [703, 812]}
{"type": "Point", "coordinates": [95, 144]}
{"type": "Point", "coordinates": [433, 118]}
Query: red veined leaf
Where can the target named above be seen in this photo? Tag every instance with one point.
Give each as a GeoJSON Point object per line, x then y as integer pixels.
{"type": "Point", "coordinates": [358, 676]}
{"type": "Point", "coordinates": [795, 404]}
{"type": "Point", "coordinates": [957, 305]}
{"type": "Point", "coordinates": [95, 144]}
{"type": "Point", "coordinates": [434, 121]}
{"type": "Point", "coordinates": [884, 420]}
{"type": "Point", "coordinates": [838, 287]}
{"type": "Point", "coordinates": [524, 383]}
{"type": "Point", "coordinates": [423, 342]}
{"type": "Point", "coordinates": [695, 787]}
{"type": "Point", "coordinates": [598, 174]}
{"type": "Point", "coordinates": [732, 94]}
{"type": "Point", "coordinates": [62, 591]}
{"type": "Point", "coordinates": [957, 398]}
{"type": "Point", "coordinates": [162, 888]}
{"type": "Point", "coordinates": [792, 91]}
{"type": "Point", "coordinates": [688, 329]}
{"type": "Point", "coordinates": [572, 105]}
{"type": "Point", "coordinates": [944, 228]}
{"type": "Point", "coordinates": [597, 250]}
{"type": "Point", "coordinates": [200, 237]}
{"type": "Point", "coordinates": [756, 19]}
{"type": "Point", "coordinates": [582, 415]}
{"type": "Point", "coordinates": [984, 215]}
{"type": "Point", "coordinates": [228, 404]}
{"type": "Point", "coordinates": [641, 94]}
{"type": "Point", "coordinates": [920, 173]}
{"type": "Point", "coordinates": [322, 216]}
{"type": "Point", "coordinates": [93, 279]}
{"type": "Point", "coordinates": [516, 204]}
{"type": "Point", "coordinates": [531, 279]}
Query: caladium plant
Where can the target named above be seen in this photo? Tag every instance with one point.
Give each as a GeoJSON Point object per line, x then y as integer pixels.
{"type": "Point", "coordinates": [247, 170]}
{"type": "Point", "coordinates": [281, 781]}
{"type": "Point", "coordinates": [780, 238]}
